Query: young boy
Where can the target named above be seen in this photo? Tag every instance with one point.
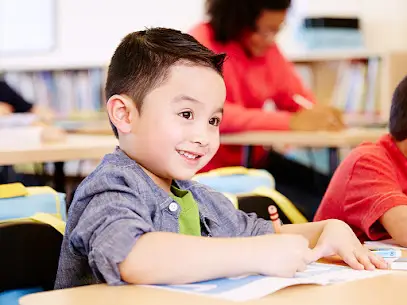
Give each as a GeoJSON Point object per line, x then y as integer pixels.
{"type": "Point", "coordinates": [369, 189]}
{"type": "Point", "coordinates": [139, 219]}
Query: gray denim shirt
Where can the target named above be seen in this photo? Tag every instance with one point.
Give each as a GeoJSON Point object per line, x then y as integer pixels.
{"type": "Point", "coordinates": [119, 202]}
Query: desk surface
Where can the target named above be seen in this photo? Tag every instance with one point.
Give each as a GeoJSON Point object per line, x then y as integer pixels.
{"type": "Point", "coordinates": [86, 146]}
{"type": "Point", "coordinates": [372, 291]}
{"type": "Point", "coordinates": [75, 147]}
{"type": "Point", "coordinates": [347, 138]}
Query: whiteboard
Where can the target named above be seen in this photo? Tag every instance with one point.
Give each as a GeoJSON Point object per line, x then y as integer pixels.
{"type": "Point", "coordinates": [27, 26]}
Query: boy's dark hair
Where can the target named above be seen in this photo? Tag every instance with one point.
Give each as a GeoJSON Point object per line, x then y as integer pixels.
{"type": "Point", "coordinates": [229, 18]}
{"type": "Point", "coordinates": [398, 112]}
{"type": "Point", "coordinates": [142, 61]}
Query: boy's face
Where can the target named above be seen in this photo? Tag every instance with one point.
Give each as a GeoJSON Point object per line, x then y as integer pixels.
{"type": "Point", "coordinates": [177, 132]}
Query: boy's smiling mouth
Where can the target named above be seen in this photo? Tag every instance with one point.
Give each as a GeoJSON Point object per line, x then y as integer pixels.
{"type": "Point", "coordinates": [189, 155]}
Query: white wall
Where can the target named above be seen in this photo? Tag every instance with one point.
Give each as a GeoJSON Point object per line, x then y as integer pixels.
{"type": "Point", "coordinates": [89, 30]}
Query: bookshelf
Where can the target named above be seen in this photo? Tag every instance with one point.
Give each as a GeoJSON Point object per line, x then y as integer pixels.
{"type": "Point", "coordinates": [358, 81]}
{"type": "Point", "coordinates": [69, 91]}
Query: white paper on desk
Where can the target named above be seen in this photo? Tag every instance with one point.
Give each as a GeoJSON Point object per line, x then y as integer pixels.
{"type": "Point", "coordinates": [17, 120]}
{"type": "Point", "coordinates": [256, 286]}
{"type": "Point", "coordinates": [385, 244]}
{"type": "Point", "coordinates": [20, 137]}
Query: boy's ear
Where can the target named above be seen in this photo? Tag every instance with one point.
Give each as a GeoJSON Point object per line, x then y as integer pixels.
{"type": "Point", "coordinates": [122, 112]}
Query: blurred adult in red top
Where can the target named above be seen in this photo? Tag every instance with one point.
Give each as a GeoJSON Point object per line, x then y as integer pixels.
{"type": "Point", "coordinates": [258, 77]}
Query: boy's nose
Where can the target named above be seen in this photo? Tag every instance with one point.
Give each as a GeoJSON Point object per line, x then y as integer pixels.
{"type": "Point", "coordinates": [201, 139]}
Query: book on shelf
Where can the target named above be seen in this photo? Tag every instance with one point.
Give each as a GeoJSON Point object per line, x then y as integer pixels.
{"type": "Point", "coordinates": [65, 91]}
{"type": "Point", "coordinates": [355, 89]}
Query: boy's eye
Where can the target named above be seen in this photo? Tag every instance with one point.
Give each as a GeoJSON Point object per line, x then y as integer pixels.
{"type": "Point", "coordinates": [214, 121]}
{"type": "Point", "coordinates": [186, 115]}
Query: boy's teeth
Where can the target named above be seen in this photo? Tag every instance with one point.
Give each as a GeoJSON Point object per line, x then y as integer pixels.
{"type": "Point", "coordinates": [188, 155]}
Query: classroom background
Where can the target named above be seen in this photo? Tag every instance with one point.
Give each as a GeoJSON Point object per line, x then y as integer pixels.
{"type": "Point", "coordinates": [55, 54]}
{"type": "Point", "coordinates": [62, 60]}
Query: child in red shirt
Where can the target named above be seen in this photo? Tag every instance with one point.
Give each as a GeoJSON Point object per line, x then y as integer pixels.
{"type": "Point", "coordinates": [257, 77]}
{"type": "Point", "coordinates": [368, 190]}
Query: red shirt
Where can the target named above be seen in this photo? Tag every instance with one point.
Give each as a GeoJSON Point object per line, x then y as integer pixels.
{"type": "Point", "coordinates": [368, 183]}
{"type": "Point", "coordinates": [250, 82]}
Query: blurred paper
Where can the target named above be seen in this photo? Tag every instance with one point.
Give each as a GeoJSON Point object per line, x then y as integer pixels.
{"type": "Point", "coordinates": [250, 287]}
{"type": "Point", "coordinates": [385, 244]}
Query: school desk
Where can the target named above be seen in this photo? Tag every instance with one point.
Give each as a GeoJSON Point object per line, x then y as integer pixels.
{"type": "Point", "coordinates": [74, 147]}
{"type": "Point", "coordinates": [387, 289]}
{"type": "Point", "coordinates": [347, 138]}
{"type": "Point", "coordinates": [332, 140]}
{"type": "Point", "coordinates": [373, 291]}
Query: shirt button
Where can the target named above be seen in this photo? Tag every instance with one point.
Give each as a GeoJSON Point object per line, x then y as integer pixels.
{"type": "Point", "coordinates": [173, 207]}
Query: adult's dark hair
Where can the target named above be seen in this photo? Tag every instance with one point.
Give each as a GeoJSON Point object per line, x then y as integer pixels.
{"type": "Point", "coordinates": [398, 112]}
{"type": "Point", "coordinates": [143, 59]}
{"type": "Point", "coordinates": [229, 18]}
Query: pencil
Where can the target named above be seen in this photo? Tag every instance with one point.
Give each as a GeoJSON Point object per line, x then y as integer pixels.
{"type": "Point", "coordinates": [302, 101]}
{"type": "Point", "coordinates": [275, 219]}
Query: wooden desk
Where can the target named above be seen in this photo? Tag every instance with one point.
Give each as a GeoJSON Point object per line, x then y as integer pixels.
{"type": "Point", "coordinates": [86, 146]}
{"type": "Point", "coordinates": [320, 139]}
{"type": "Point", "coordinates": [372, 291]}
{"type": "Point", "coordinates": [347, 138]}
{"type": "Point", "coordinates": [75, 147]}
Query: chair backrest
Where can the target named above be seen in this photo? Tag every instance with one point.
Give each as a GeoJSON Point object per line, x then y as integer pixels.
{"type": "Point", "coordinates": [18, 201]}
{"type": "Point", "coordinates": [236, 180]}
{"type": "Point", "coordinates": [251, 190]}
{"type": "Point", "coordinates": [29, 254]}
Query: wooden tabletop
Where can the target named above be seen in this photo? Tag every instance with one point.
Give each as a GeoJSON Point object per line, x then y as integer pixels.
{"type": "Point", "coordinates": [91, 146]}
{"type": "Point", "coordinates": [373, 291]}
{"type": "Point", "coordinates": [320, 139]}
{"type": "Point", "coordinates": [74, 147]}
{"type": "Point", "coordinates": [347, 138]}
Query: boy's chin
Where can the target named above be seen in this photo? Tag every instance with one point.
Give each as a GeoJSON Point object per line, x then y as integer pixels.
{"type": "Point", "coordinates": [185, 174]}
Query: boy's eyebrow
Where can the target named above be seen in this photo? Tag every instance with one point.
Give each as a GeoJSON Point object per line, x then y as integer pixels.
{"type": "Point", "coordinates": [183, 97]}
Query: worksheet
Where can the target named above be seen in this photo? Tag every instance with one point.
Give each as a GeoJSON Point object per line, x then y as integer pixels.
{"type": "Point", "coordinates": [249, 287]}
{"type": "Point", "coordinates": [385, 243]}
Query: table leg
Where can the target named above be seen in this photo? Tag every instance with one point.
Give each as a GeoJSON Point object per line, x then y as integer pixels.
{"type": "Point", "coordinates": [7, 174]}
{"type": "Point", "coordinates": [333, 159]}
{"type": "Point", "coordinates": [59, 177]}
{"type": "Point", "coordinates": [247, 156]}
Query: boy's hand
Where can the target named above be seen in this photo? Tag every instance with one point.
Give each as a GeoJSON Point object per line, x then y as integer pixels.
{"type": "Point", "coordinates": [338, 238]}
{"type": "Point", "coordinates": [280, 254]}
